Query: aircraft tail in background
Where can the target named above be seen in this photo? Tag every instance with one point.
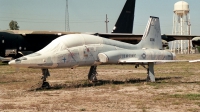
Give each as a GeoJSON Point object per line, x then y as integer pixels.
{"type": "Point", "coordinates": [125, 21]}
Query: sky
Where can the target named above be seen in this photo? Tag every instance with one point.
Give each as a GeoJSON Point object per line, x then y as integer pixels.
{"type": "Point", "coordinates": [90, 15]}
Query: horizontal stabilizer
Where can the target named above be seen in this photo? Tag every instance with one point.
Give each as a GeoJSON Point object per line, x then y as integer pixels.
{"type": "Point", "coordinates": [192, 61]}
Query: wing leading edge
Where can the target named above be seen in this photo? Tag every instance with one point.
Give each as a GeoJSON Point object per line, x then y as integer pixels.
{"type": "Point", "coordinates": [135, 60]}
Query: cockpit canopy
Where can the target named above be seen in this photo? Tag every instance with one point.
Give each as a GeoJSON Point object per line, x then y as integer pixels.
{"type": "Point", "coordinates": [69, 41]}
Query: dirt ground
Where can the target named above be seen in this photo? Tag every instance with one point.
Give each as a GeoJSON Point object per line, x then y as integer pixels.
{"type": "Point", "coordinates": [121, 88]}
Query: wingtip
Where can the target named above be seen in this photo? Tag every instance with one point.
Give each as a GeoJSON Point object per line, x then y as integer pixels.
{"type": "Point", "coordinates": [194, 61]}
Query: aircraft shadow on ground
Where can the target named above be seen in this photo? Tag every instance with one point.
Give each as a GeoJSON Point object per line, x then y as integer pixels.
{"type": "Point", "coordinates": [86, 83]}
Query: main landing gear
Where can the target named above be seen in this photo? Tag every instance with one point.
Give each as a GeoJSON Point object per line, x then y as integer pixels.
{"type": "Point", "coordinates": [92, 75]}
{"type": "Point", "coordinates": [45, 73]}
{"type": "Point", "coordinates": [150, 72]}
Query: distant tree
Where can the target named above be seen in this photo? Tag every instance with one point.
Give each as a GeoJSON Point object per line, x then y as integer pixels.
{"type": "Point", "coordinates": [13, 25]}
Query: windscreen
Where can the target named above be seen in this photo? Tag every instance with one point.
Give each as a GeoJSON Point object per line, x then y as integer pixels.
{"type": "Point", "coordinates": [55, 46]}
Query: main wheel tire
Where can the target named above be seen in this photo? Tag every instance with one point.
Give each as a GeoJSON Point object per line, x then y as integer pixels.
{"type": "Point", "coordinates": [46, 85]}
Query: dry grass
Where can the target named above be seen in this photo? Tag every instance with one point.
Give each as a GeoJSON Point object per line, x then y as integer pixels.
{"type": "Point", "coordinates": [120, 88]}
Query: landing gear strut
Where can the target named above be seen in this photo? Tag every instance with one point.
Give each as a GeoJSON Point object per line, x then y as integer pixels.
{"type": "Point", "coordinates": [45, 73]}
{"type": "Point", "coordinates": [92, 75]}
{"type": "Point", "coordinates": [150, 72]}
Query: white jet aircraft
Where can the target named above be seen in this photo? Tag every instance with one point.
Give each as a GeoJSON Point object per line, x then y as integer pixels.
{"type": "Point", "coordinates": [75, 50]}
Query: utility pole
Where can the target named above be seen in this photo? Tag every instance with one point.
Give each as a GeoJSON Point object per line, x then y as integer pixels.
{"type": "Point", "coordinates": [67, 17]}
{"type": "Point", "coordinates": [189, 30]}
{"type": "Point", "coordinates": [106, 23]}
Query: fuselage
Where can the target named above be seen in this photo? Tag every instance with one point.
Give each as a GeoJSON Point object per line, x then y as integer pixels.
{"type": "Point", "coordinates": [86, 50]}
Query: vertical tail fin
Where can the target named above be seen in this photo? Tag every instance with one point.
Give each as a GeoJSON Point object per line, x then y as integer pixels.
{"type": "Point", "coordinates": [152, 36]}
{"type": "Point", "coordinates": [124, 23]}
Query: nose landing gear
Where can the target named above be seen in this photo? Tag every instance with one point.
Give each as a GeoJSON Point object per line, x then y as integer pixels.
{"type": "Point", "coordinates": [45, 73]}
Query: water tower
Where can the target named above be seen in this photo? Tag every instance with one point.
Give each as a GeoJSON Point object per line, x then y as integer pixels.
{"type": "Point", "coordinates": [181, 23]}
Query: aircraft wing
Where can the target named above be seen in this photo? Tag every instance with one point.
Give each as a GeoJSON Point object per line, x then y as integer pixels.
{"type": "Point", "coordinates": [126, 36]}
{"type": "Point", "coordinates": [198, 60]}
{"type": "Point", "coordinates": [115, 36]}
{"type": "Point", "coordinates": [135, 60]}
{"type": "Point", "coordinates": [178, 37]}
{"type": "Point", "coordinates": [135, 38]}
{"type": "Point", "coordinates": [120, 36]}
{"type": "Point", "coordinates": [31, 32]}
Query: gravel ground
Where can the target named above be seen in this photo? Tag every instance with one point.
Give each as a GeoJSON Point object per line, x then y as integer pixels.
{"type": "Point", "coordinates": [120, 88]}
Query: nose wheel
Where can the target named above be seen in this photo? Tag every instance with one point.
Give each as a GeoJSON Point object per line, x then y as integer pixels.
{"type": "Point", "coordinates": [45, 73]}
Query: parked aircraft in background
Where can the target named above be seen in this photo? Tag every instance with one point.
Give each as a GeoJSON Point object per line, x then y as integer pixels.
{"type": "Point", "coordinates": [74, 50]}
{"type": "Point", "coordinates": [16, 43]}
{"type": "Point", "coordinates": [196, 41]}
